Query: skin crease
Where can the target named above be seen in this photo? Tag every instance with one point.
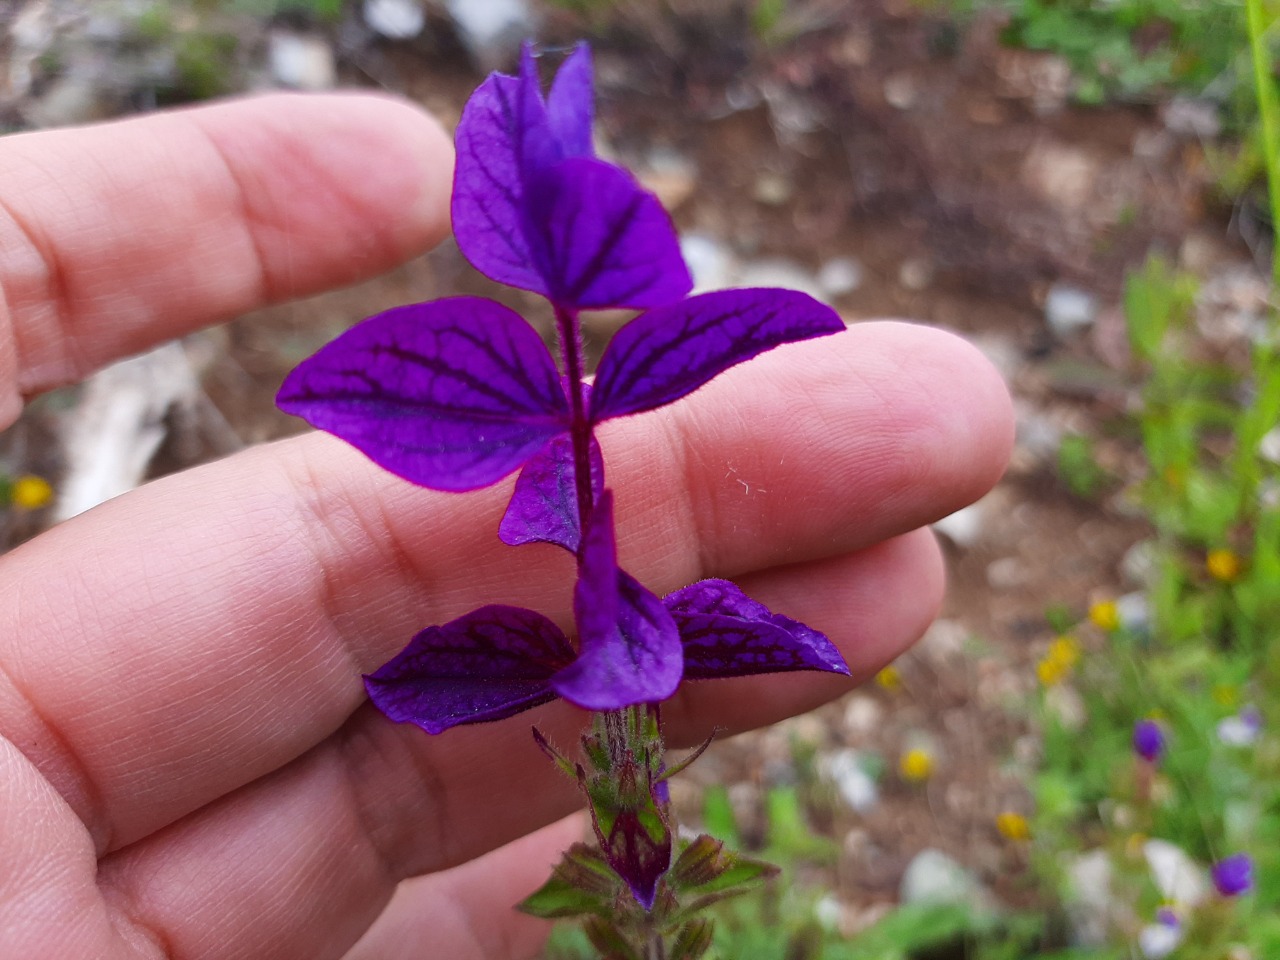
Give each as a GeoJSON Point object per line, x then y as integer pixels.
{"type": "Point", "coordinates": [187, 766]}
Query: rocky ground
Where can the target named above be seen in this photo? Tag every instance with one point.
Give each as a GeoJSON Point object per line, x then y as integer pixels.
{"type": "Point", "coordinates": [874, 154]}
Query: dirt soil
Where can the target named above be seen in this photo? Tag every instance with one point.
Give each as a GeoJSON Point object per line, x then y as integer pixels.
{"type": "Point", "coordinates": [961, 179]}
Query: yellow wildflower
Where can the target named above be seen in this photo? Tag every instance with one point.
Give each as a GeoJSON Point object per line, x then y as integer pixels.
{"type": "Point", "coordinates": [890, 678]}
{"type": "Point", "coordinates": [1013, 826]}
{"type": "Point", "coordinates": [1064, 651]}
{"type": "Point", "coordinates": [1226, 695]}
{"type": "Point", "coordinates": [1223, 564]}
{"type": "Point", "coordinates": [30, 492]}
{"type": "Point", "coordinates": [916, 765]}
{"type": "Point", "coordinates": [1051, 672]}
{"type": "Point", "coordinates": [1105, 615]}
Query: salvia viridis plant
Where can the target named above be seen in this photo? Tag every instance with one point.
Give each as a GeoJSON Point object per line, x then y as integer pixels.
{"type": "Point", "coordinates": [457, 394]}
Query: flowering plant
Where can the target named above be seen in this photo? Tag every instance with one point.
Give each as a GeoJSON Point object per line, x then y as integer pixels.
{"type": "Point", "coordinates": [458, 393]}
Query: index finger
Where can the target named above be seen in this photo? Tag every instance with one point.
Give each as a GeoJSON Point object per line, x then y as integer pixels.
{"type": "Point", "coordinates": [117, 237]}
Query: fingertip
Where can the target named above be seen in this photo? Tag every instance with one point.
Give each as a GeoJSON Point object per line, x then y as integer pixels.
{"type": "Point", "coordinates": [952, 413]}
{"type": "Point", "coordinates": [341, 170]}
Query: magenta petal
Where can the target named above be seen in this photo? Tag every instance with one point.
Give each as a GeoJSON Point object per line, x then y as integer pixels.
{"type": "Point", "coordinates": [452, 395]}
{"type": "Point", "coordinates": [629, 649]}
{"type": "Point", "coordinates": [669, 352]}
{"type": "Point", "coordinates": [727, 634]}
{"type": "Point", "coordinates": [600, 240]}
{"type": "Point", "coordinates": [544, 506]}
{"type": "Point", "coordinates": [487, 665]}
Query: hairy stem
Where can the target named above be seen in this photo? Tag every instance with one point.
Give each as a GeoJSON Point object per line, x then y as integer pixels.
{"type": "Point", "coordinates": [569, 331]}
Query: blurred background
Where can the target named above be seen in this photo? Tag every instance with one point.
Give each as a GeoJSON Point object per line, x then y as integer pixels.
{"type": "Point", "coordinates": [1080, 187]}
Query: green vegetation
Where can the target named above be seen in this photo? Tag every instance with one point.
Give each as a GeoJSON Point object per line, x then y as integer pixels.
{"type": "Point", "coordinates": [1130, 49]}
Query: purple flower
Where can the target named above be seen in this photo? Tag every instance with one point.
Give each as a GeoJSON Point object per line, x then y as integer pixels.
{"type": "Point", "coordinates": [1148, 740]}
{"type": "Point", "coordinates": [1233, 875]}
{"type": "Point", "coordinates": [458, 393]}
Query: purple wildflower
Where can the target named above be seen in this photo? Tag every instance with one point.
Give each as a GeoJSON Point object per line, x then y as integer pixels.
{"type": "Point", "coordinates": [458, 393]}
{"type": "Point", "coordinates": [1233, 875]}
{"type": "Point", "coordinates": [1148, 740]}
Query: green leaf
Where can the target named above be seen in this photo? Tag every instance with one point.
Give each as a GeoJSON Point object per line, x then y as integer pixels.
{"type": "Point", "coordinates": [582, 884]}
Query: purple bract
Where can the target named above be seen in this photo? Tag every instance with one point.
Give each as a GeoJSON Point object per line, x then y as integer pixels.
{"type": "Point", "coordinates": [458, 393]}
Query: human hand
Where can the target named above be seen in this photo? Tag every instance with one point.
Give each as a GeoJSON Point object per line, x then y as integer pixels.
{"type": "Point", "coordinates": [187, 765]}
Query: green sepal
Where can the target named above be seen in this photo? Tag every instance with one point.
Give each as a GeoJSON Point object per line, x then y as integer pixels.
{"type": "Point", "coordinates": [609, 940]}
{"type": "Point", "coordinates": [709, 873]}
{"type": "Point", "coordinates": [693, 940]}
{"type": "Point", "coordinates": [705, 866]}
{"type": "Point", "coordinates": [582, 884]}
{"type": "Point", "coordinates": [572, 770]}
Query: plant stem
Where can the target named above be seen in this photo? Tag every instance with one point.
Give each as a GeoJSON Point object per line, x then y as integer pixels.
{"type": "Point", "coordinates": [655, 949]}
{"type": "Point", "coordinates": [1267, 113]}
{"type": "Point", "coordinates": [569, 331]}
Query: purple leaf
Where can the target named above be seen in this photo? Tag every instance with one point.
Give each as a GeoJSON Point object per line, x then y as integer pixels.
{"type": "Point", "coordinates": [629, 649]}
{"type": "Point", "coordinates": [487, 665]}
{"type": "Point", "coordinates": [667, 353]}
{"type": "Point", "coordinates": [727, 634]}
{"type": "Point", "coordinates": [453, 394]}
{"type": "Point", "coordinates": [544, 506]}
{"type": "Point", "coordinates": [488, 182]}
{"type": "Point", "coordinates": [600, 240]}
{"type": "Point", "coordinates": [570, 105]}
{"type": "Point", "coordinates": [507, 134]}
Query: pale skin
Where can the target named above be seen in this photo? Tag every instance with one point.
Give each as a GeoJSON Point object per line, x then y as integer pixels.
{"type": "Point", "coordinates": [188, 766]}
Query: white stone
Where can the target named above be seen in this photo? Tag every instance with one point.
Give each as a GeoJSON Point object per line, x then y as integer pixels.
{"type": "Point", "coordinates": [1069, 309]}
{"type": "Point", "coordinates": [1179, 879]}
{"type": "Point", "coordinates": [1139, 563]}
{"type": "Point", "coordinates": [862, 715]}
{"type": "Point", "coordinates": [934, 877]}
{"type": "Point", "coordinates": [900, 91]}
{"type": "Point", "coordinates": [1191, 117]}
{"type": "Point", "coordinates": [1038, 435]}
{"type": "Point", "coordinates": [395, 19]}
{"type": "Point", "coordinates": [964, 527]}
{"type": "Point", "coordinates": [915, 274]}
{"type": "Point", "coordinates": [846, 769]}
{"type": "Point", "coordinates": [118, 424]}
{"type": "Point", "coordinates": [492, 30]}
{"type": "Point", "coordinates": [712, 264]}
{"type": "Point", "coordinates": [840, 276]}
{"type": "Point", "coordinates": [772, 189]}
{"type": "Point", "coordinates": [1007, 573]}
{"type": "Point", "coordinates": [1089, 898]}
{"type": "Point", "coordinates": [302, 61]}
